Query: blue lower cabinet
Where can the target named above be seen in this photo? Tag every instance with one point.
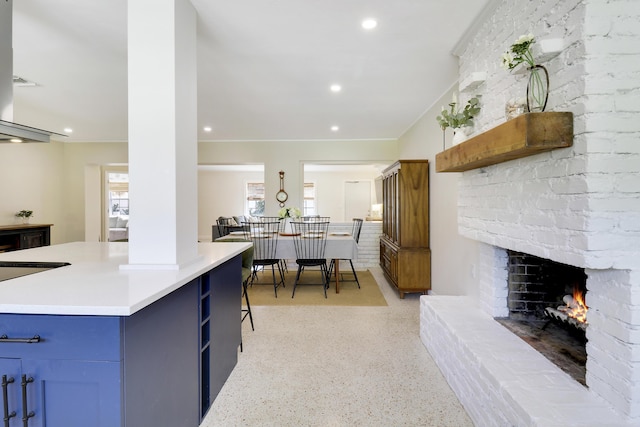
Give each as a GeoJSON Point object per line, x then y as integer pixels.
{"type": "Point", "coordinates": [60, 393]}
{"type": "Point", "coordinates": [73, 393]}
{"type": "Point", "coordinates": [161, 366]}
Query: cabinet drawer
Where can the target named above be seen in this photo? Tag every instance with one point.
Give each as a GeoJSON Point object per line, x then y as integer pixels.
{"type": "Point", "coordinates": [61, 337]}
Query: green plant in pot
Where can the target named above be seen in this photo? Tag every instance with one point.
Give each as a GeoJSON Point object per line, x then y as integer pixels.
{"type": "Point", "coordinates": [25, 215]}
{"type": "Point", "coordinates": [458, 119]}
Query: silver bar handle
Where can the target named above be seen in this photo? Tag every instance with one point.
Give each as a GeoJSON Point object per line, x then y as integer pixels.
{"type": "Point", "coordinates": [25, 415]}
{"type": "Point", "coordinates": [5, 399]}
{"type": "Point", "coordinates": [34, 339]}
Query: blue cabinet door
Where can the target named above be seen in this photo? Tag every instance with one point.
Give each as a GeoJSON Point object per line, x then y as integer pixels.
{"type": "Point", "coordinates": [74, 393]}
{"type": "Point", "coordinates": [10, 371]}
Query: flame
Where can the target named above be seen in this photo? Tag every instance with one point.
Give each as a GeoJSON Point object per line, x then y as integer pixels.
{"type": "Point", "coordinates": [578, 310]}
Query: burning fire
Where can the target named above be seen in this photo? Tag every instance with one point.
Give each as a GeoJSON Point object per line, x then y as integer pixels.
{"type": "Point", "coordinates": [575, 306]}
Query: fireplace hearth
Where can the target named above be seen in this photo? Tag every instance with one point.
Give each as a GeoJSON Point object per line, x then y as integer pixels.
{"type": "Point", "coordinates": [536, 283]}
{"type": "Point", "coordinates": [539, 287]}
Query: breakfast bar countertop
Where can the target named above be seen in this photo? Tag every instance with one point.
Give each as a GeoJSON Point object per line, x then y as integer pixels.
{"type": "Point", "coordinates": [94, 283]}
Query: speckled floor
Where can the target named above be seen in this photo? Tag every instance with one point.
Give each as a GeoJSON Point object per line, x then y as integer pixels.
{"type": "Point", "coordinates": [337, 366]}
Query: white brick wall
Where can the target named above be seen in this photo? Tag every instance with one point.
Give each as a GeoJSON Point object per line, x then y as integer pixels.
{"type": "Point", "coordinates": [613, 366]}
{"type": "Point", "coordinates": [579, 205]}
{"type": "Point", "coordinates": [500, 379]}
{"type": "Point", "coordinates": [492, 280]}
{"type": "Point", "coordinates": [567, 201]}
{"type": "Point", "coordinates": [368, 245]}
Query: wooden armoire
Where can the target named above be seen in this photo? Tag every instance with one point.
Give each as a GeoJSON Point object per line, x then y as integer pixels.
{"type": "Point", "coordinates": [405, 256]}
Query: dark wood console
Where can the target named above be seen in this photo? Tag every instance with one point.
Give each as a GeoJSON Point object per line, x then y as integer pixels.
{"type": "Point", "coordinates": [24, 236]}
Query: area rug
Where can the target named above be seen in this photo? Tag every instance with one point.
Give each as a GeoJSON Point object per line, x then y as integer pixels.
{"type": "Point", "coordinates": [261, 293]}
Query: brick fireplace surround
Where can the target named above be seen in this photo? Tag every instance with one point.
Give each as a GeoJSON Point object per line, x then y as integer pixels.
{"type": "Point", "coordinates": [578, 206]}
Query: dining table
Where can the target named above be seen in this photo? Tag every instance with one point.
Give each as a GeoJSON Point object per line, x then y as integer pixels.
{"type": "Point", "coordinates": [340, 245]}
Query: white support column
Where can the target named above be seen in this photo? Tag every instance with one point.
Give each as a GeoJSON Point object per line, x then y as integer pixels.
{"type": "Point", "coordinates": [162, 133]}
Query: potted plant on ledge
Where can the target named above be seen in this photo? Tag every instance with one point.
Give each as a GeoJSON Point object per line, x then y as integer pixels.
{"type": "Point", "coordinates": [25, 215]}
{"type": "Point", "coordinates": [458, 119]}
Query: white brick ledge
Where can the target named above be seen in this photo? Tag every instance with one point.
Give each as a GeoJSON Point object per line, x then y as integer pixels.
{"type": "Point", "coordinates": [498, 378]}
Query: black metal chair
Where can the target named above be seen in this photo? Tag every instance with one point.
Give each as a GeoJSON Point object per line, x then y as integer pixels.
{"type": "Point", "coordinates": [316, 218]}
{"type": "Point", "coordinates": [281, 229]}
{"type": "Point", "coordinates": [355, 233]}
{"type": "Point", "coordinates": [264, 235]}
{"type": "Point", "coordinates": [247, 265]}
{"type": "Point", "coordinates": [310, 241]}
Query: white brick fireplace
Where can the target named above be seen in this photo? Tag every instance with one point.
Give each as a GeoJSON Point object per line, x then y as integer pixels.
{"type": "Point", "coordinates": [578, 206]}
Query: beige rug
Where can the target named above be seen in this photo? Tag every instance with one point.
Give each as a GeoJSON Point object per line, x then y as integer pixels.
{"type": "Point", "coordinates": [261, 293]}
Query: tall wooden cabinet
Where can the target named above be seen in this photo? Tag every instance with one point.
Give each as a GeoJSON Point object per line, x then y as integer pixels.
{"type": "Point", "coordinates": [405, 257]}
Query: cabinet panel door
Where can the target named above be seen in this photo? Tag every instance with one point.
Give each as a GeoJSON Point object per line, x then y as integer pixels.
{"type": "Point", "coordinates": [11, 368]}
{"type": "Point", "coordinates": [74, 393]}
{"type": "Point", "coordinates": [32, 240]}
{"type": "Point", "coordinates": [226, 334]}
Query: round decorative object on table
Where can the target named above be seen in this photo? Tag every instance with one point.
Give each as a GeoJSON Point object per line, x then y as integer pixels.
{"type": "Point", "coordinates": [537, 89]}
{"type": "Point", "coordinates": [515, 107]}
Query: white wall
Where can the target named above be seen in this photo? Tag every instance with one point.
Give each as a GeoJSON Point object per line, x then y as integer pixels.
{"type": "Point", "coordinates": [453, 257]}
{"type": "Point", "coordinates": [330, 190]}
{"type": "Point", "coordinates": [290, 157]}
{"type": "Point", "coordinates": [31, 178]}
{"type": "Point", "coordinates": [221, 193]}
{"type": "Point", "coordinates": [50, 178]}
{"type": "Point", "coordinates": [76, 157]}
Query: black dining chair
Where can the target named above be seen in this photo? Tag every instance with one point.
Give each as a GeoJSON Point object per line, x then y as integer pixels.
{"type": "Point", "coordinates": [310, 241]}
{"type": "Point", "coordinates": [264, 235]}
{"type": "Point", "coordinates": [316, 218]}
{"type": "Point", "coordinates": [281, 229]}
{"type": "Point", "coordinates": [355, 233]}
{"type": "Point", "coordinates": [247, 265]}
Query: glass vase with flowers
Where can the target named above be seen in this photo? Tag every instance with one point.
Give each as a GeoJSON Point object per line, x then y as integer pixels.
{"type": "Point", "coordinates": [538, 85]}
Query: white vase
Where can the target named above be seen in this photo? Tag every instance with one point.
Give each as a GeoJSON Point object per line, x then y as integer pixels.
{"type": "Point", "coordinates": [459, 135]}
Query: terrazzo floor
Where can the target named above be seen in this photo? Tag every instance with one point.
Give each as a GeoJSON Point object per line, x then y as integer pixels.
{"type": "Point", "coordinates": [336, 366]}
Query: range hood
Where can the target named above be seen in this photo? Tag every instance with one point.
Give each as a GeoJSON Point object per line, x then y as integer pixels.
{"type": "Point", "coordinates": [9, 131]}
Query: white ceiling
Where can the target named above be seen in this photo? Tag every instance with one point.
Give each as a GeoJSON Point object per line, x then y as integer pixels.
{"type": "Point", "coordinates": [265, 66]}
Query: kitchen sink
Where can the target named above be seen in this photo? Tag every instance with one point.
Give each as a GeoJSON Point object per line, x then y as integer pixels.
{"type": "Point", "coordinates": [13, 269]}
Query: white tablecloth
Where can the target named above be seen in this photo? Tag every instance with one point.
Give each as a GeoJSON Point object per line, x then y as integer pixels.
{"type": "Point", "coordinates": [338, 247]}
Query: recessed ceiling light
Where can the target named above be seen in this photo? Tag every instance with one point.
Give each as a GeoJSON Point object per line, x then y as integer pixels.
{"type": "Point", "coordinates": [369, 24]}
{"type": "Point", "coordinates": [68, 130]}
{"type": "Point", "coordinates": [335, 128]}
{"type": "Point", "coordinates": [15, 140]}
{"type": "Point", "coordinates": [335, 88]}
{"type": "Point", "coordinates": [207, 128]}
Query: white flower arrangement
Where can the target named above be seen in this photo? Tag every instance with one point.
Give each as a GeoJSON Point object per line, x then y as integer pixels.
{"type": "Point", "coordinates": [519, 52]}
{"type": "Point", "coordinates": [289, 213]}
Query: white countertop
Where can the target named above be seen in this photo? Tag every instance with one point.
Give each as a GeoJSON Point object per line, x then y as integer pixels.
{"type": "Point", "coordinates": [94, 284]}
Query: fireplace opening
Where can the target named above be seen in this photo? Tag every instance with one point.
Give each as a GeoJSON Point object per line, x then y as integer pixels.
{"type": "Point", "coordinates": [544, 303]}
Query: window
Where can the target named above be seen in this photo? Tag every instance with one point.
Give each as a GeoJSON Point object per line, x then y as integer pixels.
{"type": "Point", "coordinates": [309, 199]}
{"type": "Point", "coordinates": [118, 194]}
{"type": "Point", "coordinates": [255, 198]}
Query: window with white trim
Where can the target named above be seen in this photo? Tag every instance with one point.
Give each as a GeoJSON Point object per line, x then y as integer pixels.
{"type": "Point", "coordinates": [254, 203]}
{"type": "Point", "coordinates": [309, 199]}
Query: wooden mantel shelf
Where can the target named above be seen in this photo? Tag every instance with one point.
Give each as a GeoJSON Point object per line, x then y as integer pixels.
{"type": "Point", "coordinates": [522, 136]}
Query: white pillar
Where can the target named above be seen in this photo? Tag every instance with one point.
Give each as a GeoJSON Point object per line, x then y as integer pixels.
{"type": "Point", "coordinates": [162, 133]}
